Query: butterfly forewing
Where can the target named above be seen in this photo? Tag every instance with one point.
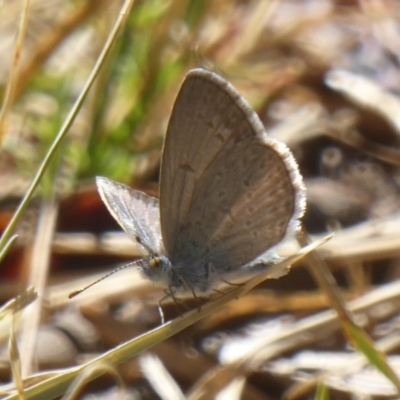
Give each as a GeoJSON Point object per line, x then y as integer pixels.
{"type": "Point", "coordinates": [136, 212]}
{"type": "Point", "coordinates": [228, 192]}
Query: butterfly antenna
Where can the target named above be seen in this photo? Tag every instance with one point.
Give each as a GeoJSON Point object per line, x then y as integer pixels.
{"type": "Point", "coordinates": [73, 294]}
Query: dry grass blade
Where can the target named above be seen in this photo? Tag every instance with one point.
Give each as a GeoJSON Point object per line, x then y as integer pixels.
{"type": "Point", "coordinates": [354, 332]}
{"type": "Point", "coordinates": [366, 93]}
{"type": "Point", "coordinates": [16, 306]}
{"type": "Point", "coordinates": [19, 303]}
{"type": "Point", "coordinates": [39, 270]}
{"type": "Point", "coordinates": [13, 80]}
{"type": "Point", "coordinates": [159, 378]}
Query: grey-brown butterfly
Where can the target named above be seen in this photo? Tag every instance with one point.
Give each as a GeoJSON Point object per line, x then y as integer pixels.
{"type": "Point", "coordinates": [229, 193]}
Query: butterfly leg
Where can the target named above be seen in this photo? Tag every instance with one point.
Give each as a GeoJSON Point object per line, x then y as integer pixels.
{"type": "Point", "coordinates": [169, 294]}
{"type": "Point", "coordinates": [160, 310]}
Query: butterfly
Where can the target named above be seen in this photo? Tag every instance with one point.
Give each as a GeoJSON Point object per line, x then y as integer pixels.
{"type": "Point", "coordinates": [229, 193]}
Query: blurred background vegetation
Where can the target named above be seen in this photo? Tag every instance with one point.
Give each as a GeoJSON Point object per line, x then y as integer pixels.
{"type": "Point", "coordinates": [323, 76]}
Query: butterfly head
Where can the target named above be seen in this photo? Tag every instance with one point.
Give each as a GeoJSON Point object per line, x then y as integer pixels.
{"type": "Point", "coordinates": [157, 268]}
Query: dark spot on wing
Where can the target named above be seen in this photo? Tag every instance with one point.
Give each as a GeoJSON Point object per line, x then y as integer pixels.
{"type": "Point", "coordinates": [186, 167]}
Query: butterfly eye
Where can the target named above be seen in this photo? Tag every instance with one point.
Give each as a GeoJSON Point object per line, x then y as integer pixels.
{"type": "Point", "coordinates": [155, 262]}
